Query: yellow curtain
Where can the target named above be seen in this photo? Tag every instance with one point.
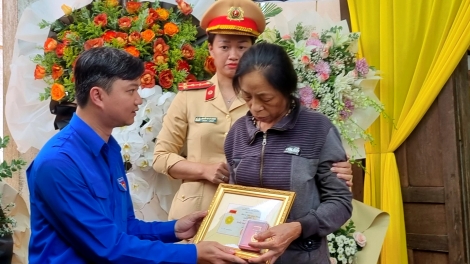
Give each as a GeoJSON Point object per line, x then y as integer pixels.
{"type": "Point", "coordinates": [416, 45]}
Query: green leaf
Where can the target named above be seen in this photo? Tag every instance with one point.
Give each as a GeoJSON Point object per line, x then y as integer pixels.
{"type": "Point", "coordinates": [270, 10]}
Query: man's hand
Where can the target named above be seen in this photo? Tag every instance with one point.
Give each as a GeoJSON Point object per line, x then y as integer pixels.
{"type": "Point", "coordinates": [216, 173]}
{"type": "Point", "coordinates": [276, 239]}
{"type": "Point", "coordinates": [186, 227]}
{"type": "Point", "coordinates": [343, 171]}
{"type": "Point", "coordinates": [213, 252]}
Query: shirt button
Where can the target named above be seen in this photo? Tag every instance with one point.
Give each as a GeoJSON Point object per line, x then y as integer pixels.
{"type": "Point", "coordinates": [227, 116]}
{"type": "Point", "coordinates": [182, 196]}
{"type": "Point", "coordinates": [225, 134]}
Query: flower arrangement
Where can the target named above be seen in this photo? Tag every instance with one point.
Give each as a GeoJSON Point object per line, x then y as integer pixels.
{"type": "Point", "coordinates": [330, 76]}
{"type": "Point", "coordinates": [161, 37]}
{"type": "Point", "coordinates": [7, 223]}
{"type": "Point", "coordinates": [344, 243]}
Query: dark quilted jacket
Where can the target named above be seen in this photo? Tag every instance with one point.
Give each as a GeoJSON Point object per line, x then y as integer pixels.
{"type": "Point", "coordinates": [296, 154]}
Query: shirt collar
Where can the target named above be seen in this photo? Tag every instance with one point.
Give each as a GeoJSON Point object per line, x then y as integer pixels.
{"type": "Point", "coordinates": [94, 142]}
{"type": "Point", "coordinates": [286, 123]}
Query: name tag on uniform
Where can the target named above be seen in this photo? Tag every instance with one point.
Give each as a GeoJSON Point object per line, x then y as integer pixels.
{"type": "Point", "coordinates": [293, 150]}
{"type": "Point", "coordinates": [122, 184]}
{"type": "Point", "coordinates": [200, 119]}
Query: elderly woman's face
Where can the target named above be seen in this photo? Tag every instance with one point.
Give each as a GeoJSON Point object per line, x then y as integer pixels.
{"type": "Point", "coordinates": [227, 51]}
{"type": "Point", "coordinates": [266, 104]}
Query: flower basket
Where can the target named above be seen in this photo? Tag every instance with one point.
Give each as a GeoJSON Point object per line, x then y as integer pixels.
{"type": "Point", "coordinates": [162, 35]}
{"type": "Point", "coordinates": [331, 78]}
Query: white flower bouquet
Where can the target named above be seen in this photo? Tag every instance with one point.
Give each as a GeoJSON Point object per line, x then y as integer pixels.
{"type": "Point", "coordinates": [344, 243]}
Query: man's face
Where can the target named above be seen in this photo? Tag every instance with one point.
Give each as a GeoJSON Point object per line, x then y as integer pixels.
{"type": "Point", "coordinates": [122, 102]}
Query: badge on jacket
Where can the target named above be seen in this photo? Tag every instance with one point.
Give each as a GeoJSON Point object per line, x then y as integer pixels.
{"type": "Point", "coordinates": [122, 184]}
{"type": "Point", "coordinates": [293, 150]}
{"type": "Point", "coordinates": [203, 119]}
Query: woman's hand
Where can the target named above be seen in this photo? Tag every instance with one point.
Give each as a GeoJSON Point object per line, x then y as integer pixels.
{"type": "Point", "coordinates": [216, 173]}
{"type": "Point", "coordinates": [276, 239]}
{"type": "Point", "coordinates": [343, 171]}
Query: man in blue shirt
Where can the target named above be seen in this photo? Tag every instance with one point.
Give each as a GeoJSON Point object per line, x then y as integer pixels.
{"type": "Point", "coordinates": [81, 210]}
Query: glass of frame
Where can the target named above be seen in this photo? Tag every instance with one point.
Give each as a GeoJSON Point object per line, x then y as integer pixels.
{"type": "Point", "coordinates": [232, 207]}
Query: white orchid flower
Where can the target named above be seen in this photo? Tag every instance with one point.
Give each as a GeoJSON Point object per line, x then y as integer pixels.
{"type": "Point", "coordinates": [131, 144]}
{"type": "Point", "coordinates": [150, 130]}
{"type": "Point", "coordinates": [150, 108]}
{"type": "Point", "coordinates": [148, 92]}
{"type": "Point", "coordinates": [145, 162]}
{"type": "Point", "coordinates": [140, 190]}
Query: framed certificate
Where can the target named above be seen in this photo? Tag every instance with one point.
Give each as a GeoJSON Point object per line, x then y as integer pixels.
{"type": "Point", "coordinates": [237, 213]}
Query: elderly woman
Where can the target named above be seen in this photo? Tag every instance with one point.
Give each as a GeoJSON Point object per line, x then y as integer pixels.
{"type": "Point", "coordinates": [282, 145]}
{"type": "Point", "coordinates": [203, 112]}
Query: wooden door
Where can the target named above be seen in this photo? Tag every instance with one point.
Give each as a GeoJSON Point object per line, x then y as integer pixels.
{"type": "Point", "coordinates": [433, 164]}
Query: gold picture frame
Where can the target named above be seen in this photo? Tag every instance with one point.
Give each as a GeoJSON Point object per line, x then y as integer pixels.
{"type": "Point", "coordinates": [233, 205]}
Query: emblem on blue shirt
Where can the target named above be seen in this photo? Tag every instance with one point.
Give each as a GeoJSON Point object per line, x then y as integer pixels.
{"type": "Point", "coordinates": [293, 150]}
{"type": "Point", "coordinates": [122, 184]}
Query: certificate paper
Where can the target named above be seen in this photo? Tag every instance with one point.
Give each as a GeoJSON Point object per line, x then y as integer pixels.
{"type": "Point", "coordinates": [229, 222]}
{"type": "Point", "coordinates": [235, 208]}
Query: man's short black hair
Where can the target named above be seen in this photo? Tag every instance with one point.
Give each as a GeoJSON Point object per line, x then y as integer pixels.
{"type": "Point", "coordinates": [101, 67]}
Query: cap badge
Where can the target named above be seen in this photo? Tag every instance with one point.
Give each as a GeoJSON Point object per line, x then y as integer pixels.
{"type": "Point", "coordinates": [235, 13]}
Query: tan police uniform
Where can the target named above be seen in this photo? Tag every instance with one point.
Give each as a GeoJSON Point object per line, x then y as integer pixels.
{"type": "Point", "coordinates": [198, 116]}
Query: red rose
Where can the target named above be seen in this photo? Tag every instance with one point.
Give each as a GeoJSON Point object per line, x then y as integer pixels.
{"type": "Point", "coordinates": [57, 71]}
{"type": "Point", "coordinates": [149, 21]}
{"type": "Point", "coordinates": [209, 65]}
{"type": "Point", "coordinates": [39, 72]}
{"type": "Point", "coordinates": [109, 35]}
{"type": "Point", "coordinates": [93, 43]}
{"type": "Point", "coordinates": [133, 51]}
{"type": "Point", "coordinates": [121, 37]}
{"type": "Point", "coordinates": [184, 7]}
{"type": "Point", "coordinates": [59, 50]}
{"type": "Point", "coordinates": [150, 66]}
{"type": "Point", "coordinates": [147, 80]}
{"type": "Point", "coordinates": [191, 78]}
{"type": "Point", "coordinates": [160, 59]}
{"type": "Point", "coordinates": [50, 45]}
{"type": "Point", "coordinates": [134, 37]}
{"type": "Point", "coordinates": [101, 20]}
{"type": "Point", "coordinates": [133, 7]}
{"type": "Point", "coordinates": [160, 47]}
{"type": "Point", "coordinates": [165, 78]}
{"type": "Point", "coordinates": [182, 65]}
{"type": "Point", "coordinates": [153, 14]}
{"type": "Point", "coordinates": [124, 22]}
{"type": "Point", "coordinates": [188, 51]}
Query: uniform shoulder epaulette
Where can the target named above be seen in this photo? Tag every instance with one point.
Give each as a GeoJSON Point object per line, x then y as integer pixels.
{"type": "Point", "coordinates": [194, 85]}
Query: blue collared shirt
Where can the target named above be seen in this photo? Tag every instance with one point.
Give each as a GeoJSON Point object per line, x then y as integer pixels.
{"type": "Point", "coordinates": [81, 210]}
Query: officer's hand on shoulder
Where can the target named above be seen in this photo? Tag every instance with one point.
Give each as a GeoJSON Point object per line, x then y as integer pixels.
{"type": "Point", "coordinates": [213, 252]}
{"type": "Point", "coordinates": [216, 173]}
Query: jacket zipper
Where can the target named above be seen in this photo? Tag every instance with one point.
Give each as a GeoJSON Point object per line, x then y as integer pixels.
{"type": "Point", "coordinates": [262, 159]}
